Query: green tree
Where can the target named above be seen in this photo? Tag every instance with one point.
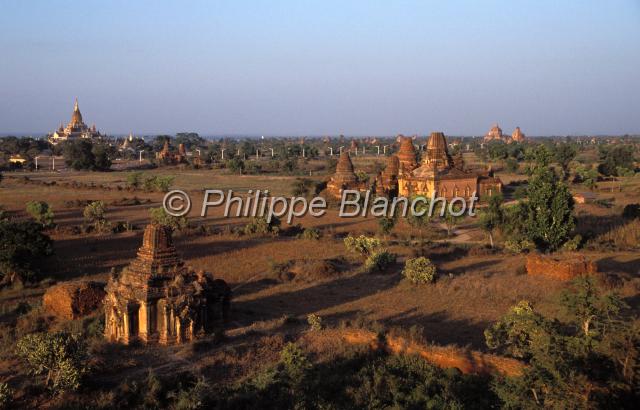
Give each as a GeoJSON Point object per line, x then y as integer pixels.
{"type": "Point", "coordinates": [451, 218]}
{"type": "Point", "coordinates": [613, 157]}
{"type": "Point", "coordinates": [386, 224]}
{"type": "Point", "coordinates": [163, 183]}
{"type": "Point", "coordinates": [538, 156]}
{"type": "Point", "coordinates": [60, 357]}
{"type": "Point", "coordinates": [421, 218]}
{"type": "Point", "coordinates": [41, 212]}
{"type": "Point", "coordinates": [100, 152]}
{"type": "Point", "coordinates": [94, 213]}
{"type": "Point", "coordinates": [586, 358]}
{"type": "Point", "coordinates": [547, 214]}
{"type": "Point", "coordinates": [625, 176]}
{"type": "Point", "coordinates": [564, 154]}
{"type": "Point", "coordinates": [134, 179]}
{"type": "Point", "coordinates": [22, 247]}
{"type": "Point", "coordinates": [79, 155]}
{"type": "Point", "coordinates": [588, 176]}
{"type": "Point", "coordinates": [235, 165]}
{"type": "Point", "coordinates": [160, 216]}
{"type": "Point", "coordinates": [492, 217]}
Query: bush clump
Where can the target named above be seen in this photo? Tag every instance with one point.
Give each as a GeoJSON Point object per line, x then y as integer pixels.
{"type": "Point", "coordinates": [60, 357]}
{"type": "Point", "coordinates": [315, 322]}
{"type": "Point", "coordinates": [160, 216]}
{"type": "Point", "coordinates": [379, 260]}
{"type": "Point", "coordinates": [260, 226]}
{"type": "Point", "coordinates": [363, 245]}
{"type": "Point", "coordinates": [311, 234]}
{"type": "Point", "coordinates": [420, 270]}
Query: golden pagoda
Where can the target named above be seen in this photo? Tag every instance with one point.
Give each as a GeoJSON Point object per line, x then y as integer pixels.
{"type": "Point", "coordinates": [75, 129]}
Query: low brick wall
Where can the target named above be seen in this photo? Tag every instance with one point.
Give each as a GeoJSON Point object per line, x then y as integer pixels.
{"type": "Point", "coordinates": [71, 300]}
{"type": "Point", "coordinates": [566, 267]}
{"type": "Point", "coordinates": [467, 361]}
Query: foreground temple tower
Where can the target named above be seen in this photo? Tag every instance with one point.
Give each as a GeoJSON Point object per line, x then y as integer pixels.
{"type": "Point", "coordinates": [157, 299]}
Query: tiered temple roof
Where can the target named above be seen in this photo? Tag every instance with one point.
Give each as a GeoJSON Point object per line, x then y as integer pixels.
{"type": "Point", "coordinates": [407, 155]}
{"type": "Point", "coordinates": [437, 154]}
{"type": "Point", "coordinates": [157, 298]}
{"type": "Point", "coordinates": [76, 128]}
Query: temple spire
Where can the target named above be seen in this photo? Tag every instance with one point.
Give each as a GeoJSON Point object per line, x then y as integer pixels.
{"type": "Point", "coordinates": [75, 106]}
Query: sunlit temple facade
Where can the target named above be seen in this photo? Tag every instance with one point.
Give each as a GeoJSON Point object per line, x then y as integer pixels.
{"type": "Point", "coordinates": [158, 299]}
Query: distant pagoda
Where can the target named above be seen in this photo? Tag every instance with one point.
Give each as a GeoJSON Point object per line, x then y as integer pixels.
{"type": "Point", "coordinates": [75, 129]}
{"type": "Point", "coordinates": [344, 177]}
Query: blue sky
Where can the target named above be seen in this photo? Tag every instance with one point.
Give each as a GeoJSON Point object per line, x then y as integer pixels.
{"type": "Point", "coordinates": [322, 67]}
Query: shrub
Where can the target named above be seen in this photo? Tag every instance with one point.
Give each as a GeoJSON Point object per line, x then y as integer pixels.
{"type": "Point", "coordinates": [301, 187]}
{"type": "Point", "coordinates": [386, 225]}
{"type": "Point", "coordinates": [379, 260]}
{"type": "Point", "coordinates": [41, 212]}
{"type": "Point", "coordinates": [363, 245]}
{"type": "Point", "coordinates": [160, 216]}
{"type": "Point", "coordinates": [134, 179]}
{"type": "Point", "coordinates": [60, 357]}
{"type": "Point", "coordinates": [311, 233]}
{"type": "Point", "coordinates": [6, 395]}
{"type": "Point", "coordinates": [572, 244]}
{"type": "Point", "coordinates": [94, 213]}
{"type": "Point", "coordinates": [260, 226]}
{"type": "Point", "coordinates": [631, 211]}
{"type": "Point", "coordinates": [162, 184]}
{"type": "Point", "coordinates": [314, 321]}
{"type": "Point", "coordinates": [518, 245]}
{"type": "Point", "coordinates": [22, 245]}
{"type": "Point", "coordinates": [419, 270]}
{"type": "Point", "coordinates": [590, 342]}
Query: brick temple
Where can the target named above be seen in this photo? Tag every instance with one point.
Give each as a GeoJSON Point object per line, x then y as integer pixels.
{"type": "Point", "coordinates": [158, 299]}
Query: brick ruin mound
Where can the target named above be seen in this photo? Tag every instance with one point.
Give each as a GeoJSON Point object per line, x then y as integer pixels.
{"type": "Point", "coordinates": [72, 300]}
{"type": "Point", "coordinates": [565, 268]}
{"type": "Point", "coordinates": [466, 360]}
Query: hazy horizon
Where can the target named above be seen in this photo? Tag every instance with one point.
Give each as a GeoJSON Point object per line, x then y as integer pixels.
{"type": "Point", "coordinates": [322, 68]}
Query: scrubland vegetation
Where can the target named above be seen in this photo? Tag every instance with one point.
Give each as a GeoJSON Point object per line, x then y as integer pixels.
{"type": "Point", "coordinates": [300, 288]}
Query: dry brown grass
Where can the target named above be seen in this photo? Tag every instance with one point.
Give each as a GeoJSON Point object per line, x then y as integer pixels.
{"type": "Point", "coordinates": [475, 287]}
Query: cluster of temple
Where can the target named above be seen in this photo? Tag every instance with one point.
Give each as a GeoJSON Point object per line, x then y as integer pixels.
{"type": "Point", "coordinates": [170, 156]}
{"type": "Point", "coordinates": [75, 129]}
{"type": "Point", "coordinates": [495, 134]}
{"type": "Point", "coordinates": [158, 299]}
{"type": "Point", "coordinates": [438, 173]}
